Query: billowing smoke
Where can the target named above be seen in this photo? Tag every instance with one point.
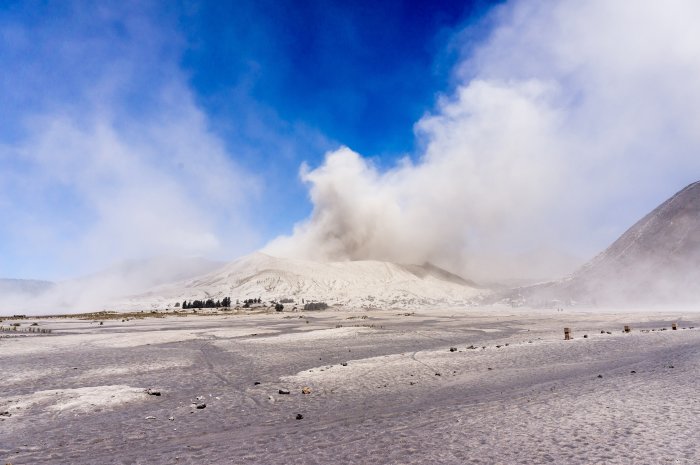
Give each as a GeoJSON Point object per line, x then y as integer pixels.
{"type": "Point", "coordinates": [571, 120]}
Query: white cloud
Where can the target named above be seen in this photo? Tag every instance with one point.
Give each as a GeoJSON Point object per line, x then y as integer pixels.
{"type": "Point", "coordinates": [106, 155]}
{"type": "Point", "coordinates": [168, 188]}
{"type": "Point", "coordinates": [572, 120]}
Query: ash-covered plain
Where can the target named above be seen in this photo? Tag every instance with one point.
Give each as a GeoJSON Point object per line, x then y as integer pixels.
{"type": "Point", "coordinates": [458, 385]}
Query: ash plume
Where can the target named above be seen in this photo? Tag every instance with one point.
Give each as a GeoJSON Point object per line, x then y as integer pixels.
{"type": "Point", "coordinates": [569, 121]}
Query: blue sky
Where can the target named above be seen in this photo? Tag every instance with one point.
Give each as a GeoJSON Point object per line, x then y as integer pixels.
{"type": "Point", "coordinates": [275, 84]}
{"type": "Point", "coordinates": [494, 138]}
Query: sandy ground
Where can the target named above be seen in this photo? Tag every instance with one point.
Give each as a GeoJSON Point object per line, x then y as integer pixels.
{"type": "Point", "coordinates": [384, 388]}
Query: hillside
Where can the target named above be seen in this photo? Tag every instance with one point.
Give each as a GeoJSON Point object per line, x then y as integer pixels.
{"type": "Point", "coordinates": [350, 283]}
{"type": "Point", "coordinates": [655, 262]}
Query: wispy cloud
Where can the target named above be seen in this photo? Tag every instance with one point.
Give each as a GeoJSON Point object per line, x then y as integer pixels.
{"type": "Point", "coordinates": [105, 154]}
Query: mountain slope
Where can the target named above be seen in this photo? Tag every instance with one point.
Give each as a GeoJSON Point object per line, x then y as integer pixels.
{"type": "Point", "coordinates": [656, 261]}
{"type": "Point", "coordinates": [354, 283]}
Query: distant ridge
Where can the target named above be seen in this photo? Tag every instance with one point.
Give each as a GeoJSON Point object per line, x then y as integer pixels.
{"type": "Point", "coordinates": [655, 262]}
{"type": "Point", "coordinates": [91, 292]}
{"type": "Point", "coordinates": [29, 287]}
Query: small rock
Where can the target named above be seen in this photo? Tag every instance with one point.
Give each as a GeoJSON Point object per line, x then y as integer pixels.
{"type": "Point", "coordinates": [471, 347]}
{"type": "Point", "coordinates": [201, 406]}
{"type": "Point", "coordinates": [344, 364]}
{"type": "Point", "coordinates": [633, 372]}
{"type": "Point", "coordinates": [306, 390]}
{"type": "Point", "coordinates": [300, 416]}
{"type": "Point", "coordinates": [150, 418]}
{"type": "Point", "coordinates": [600, 376]}
{"type": "Point", "coordinates": [199, 397]}
{"type": "Point", "coordinates": [171, 418]}
{"type": "Point", "coordinates": [670, 366]}
{"type": "Point", "coordinates": [5, 414]}
{"type": "Point", "coordinates": [507, 344]}
{"type": "Point", "coordinates": [490, 368]}
{"type": "Point", "coordinates": [585, 336]}
{"type": "Point", "coordinates": [608, 332]}
{"type": "Point", "coordinates": [271, 399]}
{"type": "Point", "coordinates": [453, 349]}
{"type": "Point", "coordinates": [152, 392]}
{"type": "Point", "coordinates": [283, 391]}
{"type": "Point", "coordinates": [438, 374]}
{"type": "Point", "coordinates": [602, 332]}
{"type": "Point", "coordinates": [256, 383]}
{"type": "Point", "coordinates": [498, 347]}
{"type": "Point", "coordinates": [411, 383]}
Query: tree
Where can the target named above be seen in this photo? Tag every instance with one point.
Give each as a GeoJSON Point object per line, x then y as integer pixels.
{"type": "Point", "coordinates": [316, 306]}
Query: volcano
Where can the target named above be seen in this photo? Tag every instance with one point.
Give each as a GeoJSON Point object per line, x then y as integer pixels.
{"type": "Point", "coordinates": [364, 283]}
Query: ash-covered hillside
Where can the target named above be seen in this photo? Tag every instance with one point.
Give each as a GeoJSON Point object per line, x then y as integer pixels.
{"type": "Point", "coordinates": [364, 283]}
{"type": "Point", "coordinates": [655, 262]}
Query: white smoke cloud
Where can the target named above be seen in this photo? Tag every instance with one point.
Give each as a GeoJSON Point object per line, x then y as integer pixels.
{"type": "Point", "coordinates": [572, 120]}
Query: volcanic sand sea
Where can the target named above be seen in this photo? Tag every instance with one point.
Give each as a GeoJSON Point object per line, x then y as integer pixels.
{"type": "Point", "coordinates": [385, 388]}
